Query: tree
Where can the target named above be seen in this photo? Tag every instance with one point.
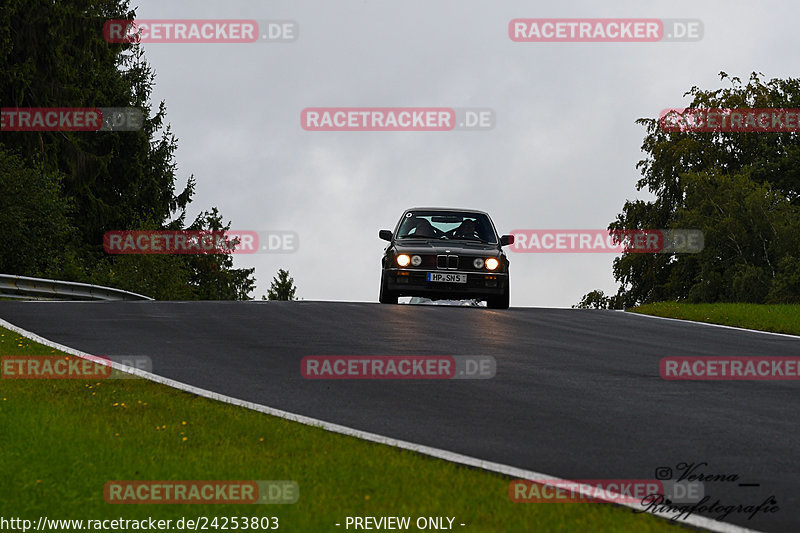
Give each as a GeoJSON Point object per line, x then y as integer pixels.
{"type": "Point", "coordinates": [593, 300]}
{"type": "Point", "coordinates": [282, 287]}
{"type": "Point", "coordinates": [741, 189]}
{"type": "Point", "coordinates": [38, 237]}
{"type": "Point", "coordinates": [596, 299]}
{"type": "Point", "coordinates": [213, 277]}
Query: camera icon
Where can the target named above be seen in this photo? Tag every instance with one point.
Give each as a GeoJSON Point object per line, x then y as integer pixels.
{"type": "Point", "coordinates": [663, 472]}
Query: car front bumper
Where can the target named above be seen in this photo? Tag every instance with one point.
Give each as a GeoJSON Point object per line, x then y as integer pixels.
{"type": "Point", "coordinates": [413, 282]}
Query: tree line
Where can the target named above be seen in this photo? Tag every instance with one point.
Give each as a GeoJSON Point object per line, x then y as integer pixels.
{"type": "Point", "coordinates": [60, 191]}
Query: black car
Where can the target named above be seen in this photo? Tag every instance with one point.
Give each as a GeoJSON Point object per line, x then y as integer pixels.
{"type": "Point", "coordinates": [442, 253]}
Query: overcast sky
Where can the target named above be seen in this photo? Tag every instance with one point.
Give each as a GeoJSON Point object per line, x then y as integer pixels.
{"type": "Point", "coordinates": [561, 155]}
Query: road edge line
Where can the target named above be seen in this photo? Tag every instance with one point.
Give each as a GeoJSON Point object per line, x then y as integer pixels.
{"type": "Point", "coordinates": [796, 337]}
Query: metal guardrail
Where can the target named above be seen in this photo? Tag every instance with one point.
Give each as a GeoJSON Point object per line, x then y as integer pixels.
{"type": "Point", "coordinates": [23, 287]}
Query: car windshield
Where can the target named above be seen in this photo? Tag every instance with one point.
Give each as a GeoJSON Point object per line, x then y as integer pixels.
{"type": "Point", "coordinates": [447, 225]}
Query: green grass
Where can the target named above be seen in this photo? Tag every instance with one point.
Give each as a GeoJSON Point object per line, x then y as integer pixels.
{"type": "Point", "coordinates": [62, 440]}
{"type": "Point", "coordinates": [775, 318]}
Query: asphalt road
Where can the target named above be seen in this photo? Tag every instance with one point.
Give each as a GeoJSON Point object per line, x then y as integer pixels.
{"type": "Point", "coordinates": [577, 393]}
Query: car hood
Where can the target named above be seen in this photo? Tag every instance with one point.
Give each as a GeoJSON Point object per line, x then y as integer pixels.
{"type": "Point", "coordinates": [442, 247]}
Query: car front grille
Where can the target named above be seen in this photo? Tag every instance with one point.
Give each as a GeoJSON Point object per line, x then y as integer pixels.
{"type": "Point", "coordinates": [447, 262]}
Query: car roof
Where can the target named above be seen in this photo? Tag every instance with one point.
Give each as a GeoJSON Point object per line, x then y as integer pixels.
{"type": "Point", "coordinates": [453, 209]}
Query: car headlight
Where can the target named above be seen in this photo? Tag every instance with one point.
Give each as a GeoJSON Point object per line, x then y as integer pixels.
{"type": "Point", "coordinates": [416, 260]}
{"type": "Point", "coordinates": [403, 260]}
{"type": "Point", "coordinates": [478, 263]}
{"type": "Point", "coordinates": [492, 263]}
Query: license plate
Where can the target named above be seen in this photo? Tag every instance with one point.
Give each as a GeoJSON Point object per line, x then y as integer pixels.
{"type": "Point", "coordinates": [447, 278]}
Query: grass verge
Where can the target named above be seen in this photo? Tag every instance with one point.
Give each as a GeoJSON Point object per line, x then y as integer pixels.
{"type": "Point", "coordinates": [775, 318]}
{"type": "Point", "coordinates": [62, 440]}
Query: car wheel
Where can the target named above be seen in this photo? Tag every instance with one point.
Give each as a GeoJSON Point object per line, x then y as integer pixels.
{"type": "Point", "coordinates": [499, 302]}
{"type": "Point", "coordinates": [386, 296]}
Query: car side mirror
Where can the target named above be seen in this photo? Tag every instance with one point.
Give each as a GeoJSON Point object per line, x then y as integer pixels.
{"type": "Point", "coordinates": [385, 234]}
{"type": "Point", "coordinates": [505, 240]}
